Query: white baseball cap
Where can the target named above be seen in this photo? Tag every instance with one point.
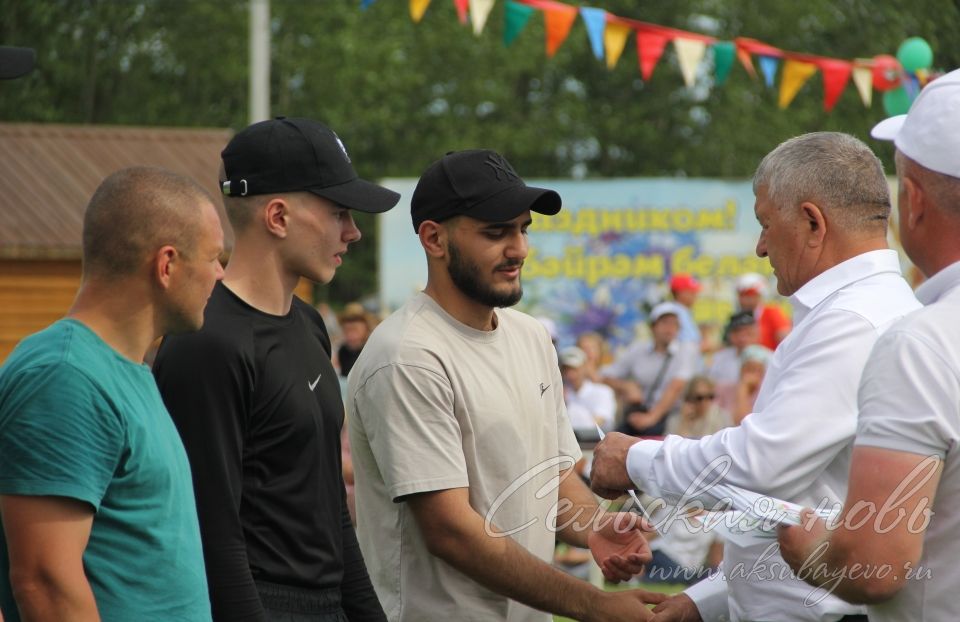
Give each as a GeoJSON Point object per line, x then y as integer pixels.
{"type": "Point", "coordinates": [929, 134]}
{"type": "Point", "coordinates": [665, 308]}
{"type": "Point", "coordinates": [572, 357]}
{"type": "Point", "coordinates": [751, 281]}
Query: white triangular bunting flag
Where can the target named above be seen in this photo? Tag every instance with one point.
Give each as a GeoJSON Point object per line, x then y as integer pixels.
{"type": "Point", "coordinates": [863, 78]}
{"type": "Point", "coordinates": [479, 12]}
{"type": "Point", "coordinates": [689, 54]}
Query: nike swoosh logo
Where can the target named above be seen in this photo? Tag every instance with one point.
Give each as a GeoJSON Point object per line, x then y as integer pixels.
{"type": "Point", "coordinates": [543, 389]}
{"type": "Point", "coordinates": [313, 385]}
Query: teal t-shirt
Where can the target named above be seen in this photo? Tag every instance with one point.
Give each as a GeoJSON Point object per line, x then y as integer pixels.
{"type": "Point", "coordinates": [79, 420]}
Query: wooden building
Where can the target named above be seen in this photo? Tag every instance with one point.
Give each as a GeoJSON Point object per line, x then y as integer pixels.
{"type": "Point", "coordinates": [47, 175]}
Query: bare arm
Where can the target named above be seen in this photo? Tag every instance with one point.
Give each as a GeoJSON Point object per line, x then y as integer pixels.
{"type": "Point", "coordinates": [627, 390]}
{"type": "Point", "coordinates": [46, 538]}
{"type": "Point", "coordinates": [455, 533]}
{"type": "Point", "coordinates": [659, 410]}
{"type": "Point", "coordinates": [896, 491]}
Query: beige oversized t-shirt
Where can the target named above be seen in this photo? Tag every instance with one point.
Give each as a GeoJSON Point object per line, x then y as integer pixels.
{"type": "Point", "coordinates": [434, 405]}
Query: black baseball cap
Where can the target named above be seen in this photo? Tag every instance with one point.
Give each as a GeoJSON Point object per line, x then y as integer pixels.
{"type": "Point", "coordinates": [741, 319]}
{"type": "Point", "coordinates": [16, 62]}
{"type": "Point", "coordinates": [298, 155]}
{"type": "Point", "coordinates": [479, 183]}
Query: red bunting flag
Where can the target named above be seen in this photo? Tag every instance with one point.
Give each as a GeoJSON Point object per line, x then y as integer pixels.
{"type": "Point", "coordinates": [650, 45]}
{"type": "Point", "coordinates": [462, 10]}
{"type": "Point", "coordinates": [836, 74]}
{"type": "Point", "coordinates": [747, 61]}
{"type": "Point", "coordinates": [653, 38]}
{"type": "Point", "coordinates": [558, 19]}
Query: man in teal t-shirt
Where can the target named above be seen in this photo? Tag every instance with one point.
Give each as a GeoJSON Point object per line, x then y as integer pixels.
{"type": "Point", "coordinates": [96, 498]}
{"type": "Point", "coordinates": [78, 420]}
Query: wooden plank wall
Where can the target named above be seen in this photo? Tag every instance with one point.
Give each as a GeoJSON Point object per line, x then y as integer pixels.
{"type": "Point", "coordinates": [33, 295]}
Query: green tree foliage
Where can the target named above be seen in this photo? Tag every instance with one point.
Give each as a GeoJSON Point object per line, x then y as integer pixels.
{"type": "Point", "coordinates": [401, 94]}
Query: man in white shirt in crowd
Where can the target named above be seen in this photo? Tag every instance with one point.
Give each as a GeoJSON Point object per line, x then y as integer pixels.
{"type": "Point", "coordinates": [652, 373]}
{"type": "Point", "coordinates": [823, 204]}
{"type": "Point", "coordinates": [904, 456]}
{"type": "Point", "coordinates": [589, 404]}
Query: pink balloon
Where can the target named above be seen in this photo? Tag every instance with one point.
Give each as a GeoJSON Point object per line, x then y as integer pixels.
{"type": "Point", "coordinates": [886, 72]}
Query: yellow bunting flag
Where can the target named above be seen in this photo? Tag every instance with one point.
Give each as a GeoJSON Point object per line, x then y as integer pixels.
{"type": "Point", "coordinates": [418, 8]}
{"type": "Point", "coordinates": [614, 40]}
{"type": "Point", "coordinates": [689, 54]}
{"type": "Point", "coordinates": [479, 12]}
{"type": "Point", "coordinates": [558, 21]}
{"type": "Point", "coordinates": [795, 74]}
{"type": "Point", "coordinates": [863, 78]}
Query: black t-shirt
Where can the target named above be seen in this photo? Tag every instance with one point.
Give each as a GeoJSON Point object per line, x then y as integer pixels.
{"type": "Point", "coordinates": [347, 356]}
{"type": "Point", "coordinates": [258, 406]}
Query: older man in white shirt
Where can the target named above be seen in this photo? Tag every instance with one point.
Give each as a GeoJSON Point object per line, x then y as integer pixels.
{"type": "Point", "coordinates": [905, 452]}
{"type": "Point", "coordinates": [823, 204]}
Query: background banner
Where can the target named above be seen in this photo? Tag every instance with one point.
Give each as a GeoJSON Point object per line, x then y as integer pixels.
{"type": "Point", "coordinates": [605, 259]}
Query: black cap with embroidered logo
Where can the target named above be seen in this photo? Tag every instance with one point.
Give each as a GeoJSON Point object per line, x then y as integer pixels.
{"type": "Point", "coordinates": [479, 183]}
{"type": "Point", "coordinates": [298, 155]}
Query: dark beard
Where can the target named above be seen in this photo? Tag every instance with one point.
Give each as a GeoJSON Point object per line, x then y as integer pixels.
{"type": "Point", "coordinates": [466, 276]}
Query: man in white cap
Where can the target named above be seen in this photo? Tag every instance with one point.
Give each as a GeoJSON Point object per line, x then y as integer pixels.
{"type": "Point", "coordinates": [822, 203]}
{"type": "Point", "coordinates": [650, 376]}
{"type": "Point", "coordinates": [772, 322]}
{"type": "Point", "coordinates": [905, 453]}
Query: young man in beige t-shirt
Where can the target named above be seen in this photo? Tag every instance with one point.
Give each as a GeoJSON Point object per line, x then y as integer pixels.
{"type": "Point", "coordinates": [459, 431]}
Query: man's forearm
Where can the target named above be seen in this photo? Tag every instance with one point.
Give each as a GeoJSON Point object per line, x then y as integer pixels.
{"type": "Point", "coordinates": [578, 510]}
{"type": "Point", "coordinates": [53, 599]}
{"type": "Point", "coordinates": [668, 398]}
{"type": "Point", "coordinates": [502, 565]}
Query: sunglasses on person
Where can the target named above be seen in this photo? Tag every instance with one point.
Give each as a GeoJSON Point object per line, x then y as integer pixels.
{"type": "Point", "coordinates": [703, 397]}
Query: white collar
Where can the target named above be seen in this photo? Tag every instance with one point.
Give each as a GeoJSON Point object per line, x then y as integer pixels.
{"type": "Point", "coordinates": [939, 284]}
{"type": "Point", "coordinates": [828, 282]}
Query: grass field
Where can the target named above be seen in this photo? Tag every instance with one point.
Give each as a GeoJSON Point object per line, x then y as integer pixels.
{"type": "Point", "coordinates": [666, 589]}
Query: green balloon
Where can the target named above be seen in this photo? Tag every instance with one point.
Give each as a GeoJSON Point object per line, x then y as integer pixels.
{"type": "Point", "coordinates": [914, 54]}
{"type": "Point", "coordinates": [896, 101]}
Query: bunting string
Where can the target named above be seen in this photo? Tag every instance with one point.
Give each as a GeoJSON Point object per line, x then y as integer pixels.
{"type": "Point", "coordinates": [608, 35]}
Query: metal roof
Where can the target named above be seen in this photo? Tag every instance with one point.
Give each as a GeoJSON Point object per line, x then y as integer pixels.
{"type": "Point", "coordinates": [48, 173]}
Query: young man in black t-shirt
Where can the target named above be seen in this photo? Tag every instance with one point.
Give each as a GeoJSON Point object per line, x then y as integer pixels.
{"type": "Point", "coordinates": [255, 396]}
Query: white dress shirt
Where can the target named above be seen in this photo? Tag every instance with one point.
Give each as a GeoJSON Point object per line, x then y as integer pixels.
{"type": "Point", "coordinates": [797, 443]}
{"type": "Point", "coordinates": [910, 402]}
{"type": "Point", "coordinates": [594, 404]}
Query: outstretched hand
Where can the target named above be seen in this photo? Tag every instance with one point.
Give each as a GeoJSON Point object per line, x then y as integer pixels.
{"type": "Point", "coordinates": [678, 608]}
{"type": "Point", "coordinates": [619, 546]}
{"type": "Point", "coordinates": [627, 605]}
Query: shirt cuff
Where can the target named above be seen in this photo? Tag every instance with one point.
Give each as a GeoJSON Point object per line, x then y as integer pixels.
{"type": "Point", "coordinates": [710, 597]}
{"type": "Point", "coordinates": [640, 466]}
